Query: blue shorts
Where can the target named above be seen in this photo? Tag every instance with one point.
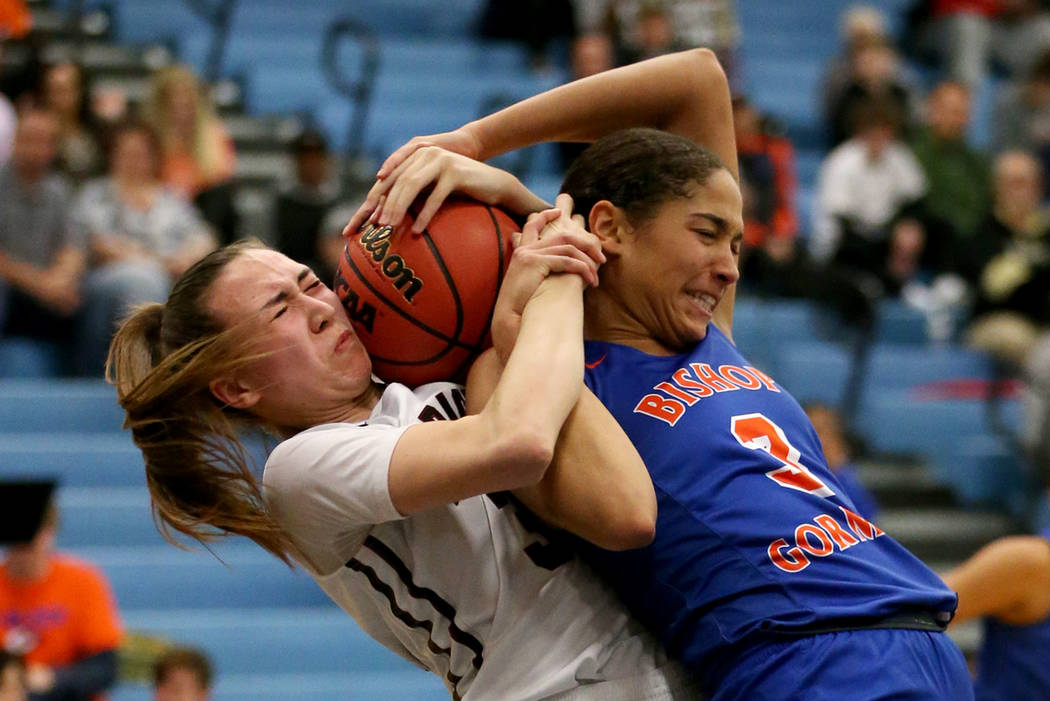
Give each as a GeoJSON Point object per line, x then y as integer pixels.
{"type": "Point", "coordinates": [855, 665]}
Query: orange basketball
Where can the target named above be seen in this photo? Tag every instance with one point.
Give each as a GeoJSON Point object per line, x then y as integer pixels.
{"type": "Point", "coordinates": [422, 304]}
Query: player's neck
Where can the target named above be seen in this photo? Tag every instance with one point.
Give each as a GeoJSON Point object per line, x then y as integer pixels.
{"type": "Point", "coordinates": [606, 319]}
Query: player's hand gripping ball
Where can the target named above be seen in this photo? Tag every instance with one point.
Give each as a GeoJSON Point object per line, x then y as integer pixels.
{"type": "Point", "coordinates": [422, 304]}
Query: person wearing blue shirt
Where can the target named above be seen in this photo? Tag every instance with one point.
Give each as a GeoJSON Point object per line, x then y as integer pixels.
{"type": "Point", "coordinates": [1006, 584]}
{"type": "Point", "coordinates": [763, 578]}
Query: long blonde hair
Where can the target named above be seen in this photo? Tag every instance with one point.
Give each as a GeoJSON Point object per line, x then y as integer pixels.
{"type": "Point", "coordinates": [207, 149]}
{"type": "Point", "coordinates": [199, 474]}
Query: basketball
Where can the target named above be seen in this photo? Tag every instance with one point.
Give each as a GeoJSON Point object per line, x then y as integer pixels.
{"type": "Point", "coordinates": [422, 303]}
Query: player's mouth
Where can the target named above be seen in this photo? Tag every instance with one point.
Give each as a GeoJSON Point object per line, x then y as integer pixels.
{"type": "Point", "coordinates": [344, 338]}
{"type": "Point", "coordinates": [703, 301]}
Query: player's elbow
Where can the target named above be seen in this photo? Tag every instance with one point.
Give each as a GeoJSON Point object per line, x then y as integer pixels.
{"type": "Point", "coordinates": [707, 68]}
{"type": "Point", "coordinates": [524, 455]}
{"type": "Point", "coordinates": [630, 532]}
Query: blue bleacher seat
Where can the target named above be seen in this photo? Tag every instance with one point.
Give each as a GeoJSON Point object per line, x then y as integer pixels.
{"type": "Point", "coordinates": [29, 358]}
{"type": "Point", "coordinates": [308, 640]}
{"type": "Point", "coordinates": [59, 405]}
{"type": "Point", "coordinates": [166, 577]}
{"type": "Point", "coordinates": [75, 459]}
{"type": "Point", "coordinates": [814, 371]}
{"type": "Point", "coordinates": [899, 323]}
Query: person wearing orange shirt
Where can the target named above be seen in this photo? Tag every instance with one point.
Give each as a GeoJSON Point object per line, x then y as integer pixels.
{"type": "Point", "coordinates": [56, 612]}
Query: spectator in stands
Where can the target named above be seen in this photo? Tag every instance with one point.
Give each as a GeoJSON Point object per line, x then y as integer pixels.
{"type": "Point", "coordinates": [839, 454]}
{"type": "Point", "coordinates": [57, 612]}
{"type": "Point", "coordinates": [538, 24]}
{"type": "Point", "coordinates": [1011, 314]}
{"type": "Point", "coordinates": [140, 235]}
{"type": "Point", "coordinates": [330, 242]}
{"type": "Point", "coordinates": [182, 674]}
{"type": "Point", "coordinates": [12, 677]}
{"type": "Point", "coordinates": [198, 158]}
{"type": "Point", "coordinates": [864, 210]}
{"type": "Point", "coordinates": [956, 173]}
{"type": "Point", "coordinates": [967, 35]}
{"type": "Point", "coordinates": [41, 256]}
{"type": "Point", "coordinates": [637, 25]}
{"type": "Point", "coordinates": [1022, 113]}
{"type": "Point", "coordinates": [592, 53]}
{"type": "Point", "coordinates": [859, 23]}
{"type": "Point", "coordinates": [1011, 262]}
{"type": "Point", "coordinates": [64, 93]}
{"type": "Point", "coordinates": [767, 185]}
{"type": "Point", "coordinates": [300, 207]}
{"type": "Point", "coordinates": [874, 73]}
{"type": "Point", "coordinates": [8, 124]}
{"type": "Point", "coordinates": [1007, 584]}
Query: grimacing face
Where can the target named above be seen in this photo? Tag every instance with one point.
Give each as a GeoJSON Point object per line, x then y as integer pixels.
{"type": "Point", "coordinates": [675, 267]}
{"type": "Point", "coordinates": [312, 367]}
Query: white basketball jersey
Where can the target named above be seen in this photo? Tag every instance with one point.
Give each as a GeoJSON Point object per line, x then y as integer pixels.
{"type": "Point", "coordinates": [471, 591]}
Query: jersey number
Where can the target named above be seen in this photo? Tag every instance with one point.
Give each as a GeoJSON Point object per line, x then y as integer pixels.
{"type": "Point", "coordinates": [549, 555]}
{"type": "Point", "coordinates": [757, 432]}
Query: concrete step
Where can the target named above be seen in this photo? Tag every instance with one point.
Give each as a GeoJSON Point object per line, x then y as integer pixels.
{"type": "Point", "coordinates": [900, 484]}
{"type": "Point", "coordinates": [943, 535]}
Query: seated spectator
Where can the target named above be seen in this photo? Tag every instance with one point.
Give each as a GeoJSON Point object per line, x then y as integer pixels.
{"type": "Point", "coordinates": [867, 192]}
{"type": "Point", "coordinates": [860, 25]}
{"type": "Point", "coordinates": [1007, 585]}
{"type": "Point", "coordinates": [591, 53]}
{"type": "Point", "coordinates": [1011, 259]}
{"type": "Point", "coordinates": [708, 23]}
{"type": "Point", "coordinates": [838, 453]}
{"type": "Point", "coordinates": [538, 24]}
{"type": "Point", "coordinates": [874, 74]}
{"type": "Point", "coordinates": [767, 185]}
{"type": "Point", "coordinates": [139, 236]}
{"type": "Point", "coordinates": [8, 124]}
{"type": "Point", "coordinates": [64, 93]}
{"type": "Point", "coordinates": [41, 256]}
{"type": "Point", "coordinates": [1011, 264]}
{"type": "Point", "coordinates": [197, 154]}
{"type": "Point", "coordinates": [957, 175]}
{"type": "Point", "coordinates": [56, 612]}
{"type": "Point", "coordinates": [12, 677]}
{"type": "Point", "coordinates": [1022, 113]}
{"type": "Point", "coordinates": [301, 206]}
{"type": "Point", "coordinates": [182, 674]}
{"type": "Point", "coordinates": [966, 36]}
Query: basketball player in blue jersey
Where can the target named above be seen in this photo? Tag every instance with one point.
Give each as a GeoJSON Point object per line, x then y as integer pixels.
{"type": "Point", "coordinates": [762, 577]}
{"type": "Point", "coordinates": [1007, 584]}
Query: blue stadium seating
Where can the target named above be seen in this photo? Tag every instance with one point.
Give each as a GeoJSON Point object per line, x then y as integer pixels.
{"type": "Point", "coordinates": [28, 358]}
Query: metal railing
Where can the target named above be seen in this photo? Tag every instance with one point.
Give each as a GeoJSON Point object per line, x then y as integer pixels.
{"type": "Point", "coordinates": [218, 14]}
{"type": "Point", "coordinates": [357, 90]}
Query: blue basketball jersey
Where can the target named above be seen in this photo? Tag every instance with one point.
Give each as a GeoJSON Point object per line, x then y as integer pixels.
{"type": "Point", "coordinates": [1013, 660]}
{"type": "Point", "coordinates": [754, 535]}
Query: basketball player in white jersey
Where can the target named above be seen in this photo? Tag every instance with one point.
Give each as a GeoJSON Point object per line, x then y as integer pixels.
{"type": "Point", "coordinates": [378, 491]}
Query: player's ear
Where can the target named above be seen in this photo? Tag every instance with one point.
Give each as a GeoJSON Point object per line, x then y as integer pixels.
{"type": "Point", "coordinates": [234, 392]}
{"type": "Point", "coordinates": [609, 223]}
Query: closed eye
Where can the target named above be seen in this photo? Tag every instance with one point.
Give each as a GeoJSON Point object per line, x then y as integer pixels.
{"type": "Point", "coordinates": [312, 285]}
{"type": "Point", "coordinates": [281, 311]}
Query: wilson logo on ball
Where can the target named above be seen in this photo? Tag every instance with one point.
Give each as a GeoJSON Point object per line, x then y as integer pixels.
{"type": "Point", "coordinates": [376, 241]}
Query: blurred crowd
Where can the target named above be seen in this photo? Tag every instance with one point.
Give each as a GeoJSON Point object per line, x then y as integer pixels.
{"type": "Point", "coordinates": [104, 200]}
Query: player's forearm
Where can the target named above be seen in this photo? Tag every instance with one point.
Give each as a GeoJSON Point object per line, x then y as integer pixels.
{"type": "Point", "coordinates": [597, 486]}
{"type": "Point", "coordinates": [685, 93]}
{"type": "Point", "coordinates": [544, 373]}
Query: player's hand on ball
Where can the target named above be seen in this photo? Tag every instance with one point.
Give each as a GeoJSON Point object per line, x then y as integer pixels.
{"type": "Point", "coordinates": [551, 242]}
{"type": "Point", "coordinates": [564, 240]}
{"type": "Point", "coordinates": [460, 141]}
{"type": "Point", "coordinates": [442, 172]}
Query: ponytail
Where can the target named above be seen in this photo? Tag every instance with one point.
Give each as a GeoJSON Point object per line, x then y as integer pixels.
{"type": "Point", "coordinates": [199, 474]}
